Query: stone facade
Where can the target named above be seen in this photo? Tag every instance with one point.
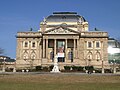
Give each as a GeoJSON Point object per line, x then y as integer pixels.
{"type": "Point", "coordinates": [64, 34]}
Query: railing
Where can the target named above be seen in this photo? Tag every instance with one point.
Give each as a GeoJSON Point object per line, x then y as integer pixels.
{"type": "Point", "coordinates": [94, 34]}
{"type": "Point", "coordinates": [28, 34]}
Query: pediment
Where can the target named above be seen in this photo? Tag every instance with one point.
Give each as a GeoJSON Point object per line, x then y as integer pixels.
{"type": "Point", "coordinates": [61, 30]}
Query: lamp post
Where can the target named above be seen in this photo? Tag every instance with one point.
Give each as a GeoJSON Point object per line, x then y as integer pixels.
{"type": "Point", "coordinates": [102, 67]}
{"type": "Point", "coordinates": [3, 70]}
{"type": "Point", "coordinates": [114, 66]}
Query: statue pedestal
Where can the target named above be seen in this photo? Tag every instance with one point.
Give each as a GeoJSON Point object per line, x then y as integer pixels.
{"type": "Point", "coordinates": [55, 68]}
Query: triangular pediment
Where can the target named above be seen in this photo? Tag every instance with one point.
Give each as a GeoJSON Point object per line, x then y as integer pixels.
{"type": "Point", "coordinates": [61, 30]}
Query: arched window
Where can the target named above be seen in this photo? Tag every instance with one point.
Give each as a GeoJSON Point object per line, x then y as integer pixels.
{"type": "Point", "coordinates": [89, 56]}
{"type": "Point", "coordinates": [25, 56]}
{"type": "Point", "coordinates": [33, 56]}
{"type": "Point", "coordinates": [70, 56]}
{"type": "Point", "coordinates": [97, 57]}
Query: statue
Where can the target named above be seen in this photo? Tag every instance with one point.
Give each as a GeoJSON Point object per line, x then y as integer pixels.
{"type": "Point", "coordinates": [55, 68]}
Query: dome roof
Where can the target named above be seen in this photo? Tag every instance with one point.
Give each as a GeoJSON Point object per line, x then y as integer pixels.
{"type": "Point", "coordinates": [65, 17]}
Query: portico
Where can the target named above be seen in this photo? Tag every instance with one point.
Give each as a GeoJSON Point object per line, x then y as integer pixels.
{"type": "Point", "coordinates": [66, 47]}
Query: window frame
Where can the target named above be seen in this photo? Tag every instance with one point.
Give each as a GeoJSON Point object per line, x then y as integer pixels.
{"type": "Point", "coordinates": [26, 44]}
{"type": "Point", "coordinates": [89, 44]}
{"type": "Point", "coordinates": [35, 43]}
{"type": "Point", "coordinates": [97, 42]}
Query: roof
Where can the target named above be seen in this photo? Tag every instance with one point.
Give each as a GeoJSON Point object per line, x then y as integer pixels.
{"type": "Point", "coordinates": [7, 59]}
{"type": "Point", "coordinates": [65, 17]}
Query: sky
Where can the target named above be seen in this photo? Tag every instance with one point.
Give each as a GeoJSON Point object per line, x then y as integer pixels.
{"type": "Point", "coordinates": [21, 15]}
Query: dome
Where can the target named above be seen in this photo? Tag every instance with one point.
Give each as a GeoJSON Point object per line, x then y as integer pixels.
{"type": "Point", "coordinates": [65, 17]}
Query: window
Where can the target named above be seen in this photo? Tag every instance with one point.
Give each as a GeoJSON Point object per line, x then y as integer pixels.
{"type": "Point", "coordinates": [97, 44]}
{"type": "Point", "coordinates": [70, 43]}
{"type": "Point", "coordinates": [97, 56]}
{"type": "Point", "coordinates": [89, 56]}
{"type": "Point", "coordinates": [26, 44]}
{"type": "Point", "coordinates": [33, 44]}
{"type": "Point", "coordinates": [33, 56]}
{"type": "Point", "coordinates": [89, 44]}
{"type": "Point", "coordinates": [50, 43]}
{"type": "Point", "coordinates": [25, 56]}
{"type": "Point", "coordinates": [60, 46]}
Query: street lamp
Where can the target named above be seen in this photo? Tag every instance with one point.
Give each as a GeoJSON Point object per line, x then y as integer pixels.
{"type": "Point", "coordinates": [102, 66]}
{"type": "Point", "coordinates": [3, 70]}
{"type": "Point", "coordinates": [114, 67]}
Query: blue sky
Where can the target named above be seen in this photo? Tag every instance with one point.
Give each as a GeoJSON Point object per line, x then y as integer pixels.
{"type": "Point", "coordinates": [21, 15]}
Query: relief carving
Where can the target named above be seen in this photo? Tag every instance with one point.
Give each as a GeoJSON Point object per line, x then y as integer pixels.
{"type": "Point", "coordinates": [61, 31]}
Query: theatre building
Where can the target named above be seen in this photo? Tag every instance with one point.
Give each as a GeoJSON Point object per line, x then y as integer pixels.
{"type": "Point", "coordinates": [67, 35]}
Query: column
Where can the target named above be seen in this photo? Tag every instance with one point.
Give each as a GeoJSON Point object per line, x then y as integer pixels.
{"type": "Point", "coordinates": [40, 52]}
{"type": "Point", "coordinates": [40, 49]}
{"type": "Point", "coordinates": [74, 49]}
{"type": "Point", "coordinates": [54, 47]}
{"type": "Point", "coordinates": [93, 55]}
{"type": "Point", "coordinates": [43, 48]}
{"type": "Point", "coordinates": [65, 49]}
{"type": "Point", "coordinates": [47, 48]}
{"type": "Point", "coordinates": [78, 48]}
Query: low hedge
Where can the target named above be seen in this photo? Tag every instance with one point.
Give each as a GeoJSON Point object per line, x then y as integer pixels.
{"type": "Point", "coordinates": [77, 68]}
{"type": "Point", "coordinates": [38, 68]}
{"type": "Point", "coordinates": [51, 67]}
{"type": "Point", "coordinates": [91, 68]}
{"type": "Point", "coordinates": [67, 68]}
